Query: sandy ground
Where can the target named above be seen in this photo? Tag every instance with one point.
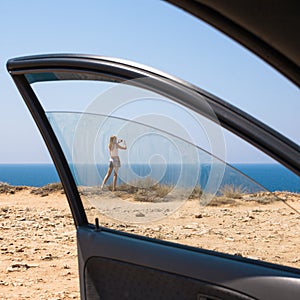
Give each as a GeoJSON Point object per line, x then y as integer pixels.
{"type": "Point", "coordinates": [38, 245]}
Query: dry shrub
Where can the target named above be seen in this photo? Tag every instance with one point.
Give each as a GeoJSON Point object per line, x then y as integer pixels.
{"type": "Point", "coordinates": [146, 183]}
{"type": "Point", "coordinates": [48, 189]}
{"type": "Point", "coordinates": [267, 200]}
{"type": "Point", "coordinates": [6, 188]}
{"type": "Point", "coordinates": [128, 188]}
{"type": "Point", "coordinates": [148, 190]}
{"type": "Point", "coordinates": [196, 193]}
{"type": "Point", "coordinates": [162, 190]}
{"type": "Point", "coordinates": [217, 201]}
{"type": "Point", "coordinates": [231, 191]}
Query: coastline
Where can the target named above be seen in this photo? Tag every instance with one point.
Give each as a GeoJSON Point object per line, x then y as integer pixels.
{"type": "Point", "coordinates": [273, 177]}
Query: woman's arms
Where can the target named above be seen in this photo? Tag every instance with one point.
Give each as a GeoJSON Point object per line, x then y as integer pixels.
{"type": "Point", "coordinates": [124, 147]}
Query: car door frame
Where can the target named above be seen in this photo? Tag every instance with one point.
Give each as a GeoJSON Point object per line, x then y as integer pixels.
{"type": "Point", "coordinates": [253, 278]}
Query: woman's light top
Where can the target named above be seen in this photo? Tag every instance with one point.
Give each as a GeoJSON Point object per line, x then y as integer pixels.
{"type": "Point", "coordinates": [114, 151]}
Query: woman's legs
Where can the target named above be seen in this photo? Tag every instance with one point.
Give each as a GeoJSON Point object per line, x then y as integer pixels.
{"type": "Point", "coordinates": [110, 168]}
{"type": "Point", "coordinates": [115, 178]}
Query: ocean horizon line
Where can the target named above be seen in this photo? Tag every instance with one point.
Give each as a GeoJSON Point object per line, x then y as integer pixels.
{"type": "Point", "coordinates": [273, 177]}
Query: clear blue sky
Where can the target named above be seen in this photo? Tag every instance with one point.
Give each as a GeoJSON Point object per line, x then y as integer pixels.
{"type": "Point", "coordinates": [149, 32]}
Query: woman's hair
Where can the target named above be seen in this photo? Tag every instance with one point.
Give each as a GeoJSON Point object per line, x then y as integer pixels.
{"type": "Point", "coordinates": [111, 142]}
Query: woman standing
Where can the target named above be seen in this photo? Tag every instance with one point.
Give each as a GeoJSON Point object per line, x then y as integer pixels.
{"type": "Point", "coordinates": [114, 161]}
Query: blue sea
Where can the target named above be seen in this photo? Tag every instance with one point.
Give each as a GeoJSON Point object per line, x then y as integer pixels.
{"type": "Point", "coordinates": [274, 177]}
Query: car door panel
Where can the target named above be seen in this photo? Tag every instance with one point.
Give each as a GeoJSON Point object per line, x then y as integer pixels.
{"type": "Point", "coordinates": [118, 264]}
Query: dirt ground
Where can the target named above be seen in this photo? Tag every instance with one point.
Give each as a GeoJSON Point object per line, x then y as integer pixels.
{"type": "Point", "coordinates": [38, 255]}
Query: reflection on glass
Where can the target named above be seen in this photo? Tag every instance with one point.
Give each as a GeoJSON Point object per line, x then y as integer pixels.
{"type": "Point", "coordinates": [159, 171]}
